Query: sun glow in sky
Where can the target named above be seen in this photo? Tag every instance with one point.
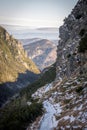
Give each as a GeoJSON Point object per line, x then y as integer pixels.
{"type": "Point", "coordinates": [35, 13]}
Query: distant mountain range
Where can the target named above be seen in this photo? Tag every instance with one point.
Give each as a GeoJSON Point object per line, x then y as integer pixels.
{"type": "Point", "coordinates": [23, 32]}
{"type": "Point", "coordinates": [41, 51]}
{"type": "Point", "coordinates": [48, 29]}
{"type": "Point", "coordinates": [27, 27]}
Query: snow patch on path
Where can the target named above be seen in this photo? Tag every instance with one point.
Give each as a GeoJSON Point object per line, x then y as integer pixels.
{"type": "Point", "coordinates": [49, 121]}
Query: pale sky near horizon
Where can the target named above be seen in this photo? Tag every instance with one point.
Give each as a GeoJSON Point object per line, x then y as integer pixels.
{"type": "Point", "coordinates": [35, 13]}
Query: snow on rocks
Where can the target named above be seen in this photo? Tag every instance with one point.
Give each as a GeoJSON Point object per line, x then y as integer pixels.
{"type": "Point", "coordinates": [29, 103]}
{"type": "Point", "coordinates": [71, 118]}
{"type": "Point", "coordinates": [40, 92]}
{"type": "Point", "coordinates": [74, 112]}
{"type": "Point", "coordinates": [69, 96]}
{"type": "Point", "coordinates": [65, 108]}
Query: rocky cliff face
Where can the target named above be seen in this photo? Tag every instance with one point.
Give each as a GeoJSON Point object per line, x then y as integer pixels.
{"type": "Point", "coordinates": [13, 58]}
{"type": "Point", "coordinates": [70, 35]}
{"type": "Point", "coordinates": [16, 69]}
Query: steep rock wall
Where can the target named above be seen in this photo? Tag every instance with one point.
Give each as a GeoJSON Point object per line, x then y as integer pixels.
{"type": "Point", "coordinates": [70, 36]}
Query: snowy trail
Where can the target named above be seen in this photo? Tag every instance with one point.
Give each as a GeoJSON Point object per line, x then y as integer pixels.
{"type": "Point", "coordinates": [49, 121]}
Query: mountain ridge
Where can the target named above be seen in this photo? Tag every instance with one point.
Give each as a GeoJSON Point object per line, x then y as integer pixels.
{"type": "Point", "coordinates": [11, 46]}
{"type": "Point", "coordinates": [42, 52]}
{"type": "Point", "coordinates": [16, 69]}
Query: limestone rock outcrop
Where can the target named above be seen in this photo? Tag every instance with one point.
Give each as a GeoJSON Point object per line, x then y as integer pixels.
{"type": "Point", "coordinates": [70, 36]}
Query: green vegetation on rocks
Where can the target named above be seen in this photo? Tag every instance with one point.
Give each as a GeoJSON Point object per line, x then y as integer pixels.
{"type": "Point", "coordinates": [83, 44]}
{"type": "Point", "coordinates": [19, 117]}
{"type": "Point", "coordinates": [82, 32]}
{"type": "Point", "coordinates": [18, 114]}
{"type": "Point", "coordinates": [47, 77]}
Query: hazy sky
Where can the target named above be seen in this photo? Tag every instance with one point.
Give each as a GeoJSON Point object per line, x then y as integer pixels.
{"type": "Point", "coordinates": [37, 13]}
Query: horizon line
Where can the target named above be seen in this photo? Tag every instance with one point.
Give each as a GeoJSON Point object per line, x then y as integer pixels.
{"type": "Point", "coordinates": [4, 24]}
